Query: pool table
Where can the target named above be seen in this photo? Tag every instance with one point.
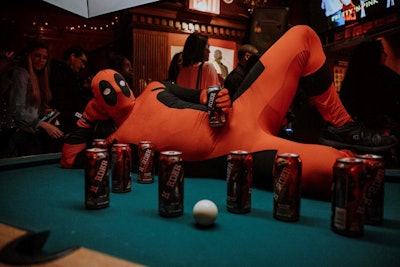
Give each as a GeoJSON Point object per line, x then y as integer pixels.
{"type": "Point", "coordinates": [36, 195]}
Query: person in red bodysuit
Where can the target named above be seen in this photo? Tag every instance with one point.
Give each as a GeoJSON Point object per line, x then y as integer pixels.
{"type": "Point", "coordinates": [175, 118]}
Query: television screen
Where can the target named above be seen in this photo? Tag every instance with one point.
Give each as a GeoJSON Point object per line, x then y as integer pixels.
{"type": "Point", "coordinates": [326, 15]}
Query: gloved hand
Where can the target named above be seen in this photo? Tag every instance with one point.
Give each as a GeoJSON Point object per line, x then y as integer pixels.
{"type": "Point", "coordinates": [92, 113]}
{"type": "Point", "coordinates": [223, 100]}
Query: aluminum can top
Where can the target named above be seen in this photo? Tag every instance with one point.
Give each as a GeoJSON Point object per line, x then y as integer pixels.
{"type": "Point", "coordinates": [171, 153]}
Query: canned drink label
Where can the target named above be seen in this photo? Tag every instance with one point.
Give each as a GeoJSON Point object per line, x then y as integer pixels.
{"type": "Point", "coordinates": [282, 184]}
{"type": "Point", "coordinates": [121, 165]}
{"type": "Point", "coordinates": [375, 199]}
{"type": "Point", "coordinates": [171, 181]}
{"type": "Point", "coordinates": [216, 116]}
{"type": "Point", "coordinates": [146, 162]}
{"type": "Point", "coordinates": [239, 181]}
{"type": "Point", "coordinates": [374, 189]}
{"type": "Point", "coordinates": [97, 179]}
{"type": "Point", "coordinates": [340, 218]}
{"type": "Point", "coordinates": [287, 187]}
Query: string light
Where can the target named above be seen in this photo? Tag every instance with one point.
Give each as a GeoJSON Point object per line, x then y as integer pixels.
{"type": "Point", "coordinates": [94, 27]}
{"type": "Point", "coordinates": [43, 26]}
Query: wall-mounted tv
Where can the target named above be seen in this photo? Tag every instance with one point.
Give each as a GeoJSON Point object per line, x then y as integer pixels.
{"type": "Point", "coordinates": [329, 15]}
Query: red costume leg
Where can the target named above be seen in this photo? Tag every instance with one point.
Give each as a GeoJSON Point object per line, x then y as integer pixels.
{"type": "Point", "coordinates": [331, 108]}
{"type": "Point", "coordinates": [257, 114]}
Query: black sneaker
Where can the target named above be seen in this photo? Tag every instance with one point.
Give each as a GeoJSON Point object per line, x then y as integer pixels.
{"type": "Point", "coordinates": [354, 136]}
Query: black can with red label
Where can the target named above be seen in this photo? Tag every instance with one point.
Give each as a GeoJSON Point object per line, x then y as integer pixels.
{"type": "Point", "coordinates": [375, 187]}
{"type": "Point", "coordinates": [216, 116]}
{"type": "Point", "coordinates": [97, 178]}
{"type": "Point", "coordinates": [170, 184]}
{"type": "Point", "coordinates": [146, 162]}
{"type": "Point", "coordinates": [239, 178]}
{"type": "Point", "coordinates": [121, 165]}
{"type": "Point", "coordinates": [347, 215]}
{"type": "Point", "coordinates": [287, 171]}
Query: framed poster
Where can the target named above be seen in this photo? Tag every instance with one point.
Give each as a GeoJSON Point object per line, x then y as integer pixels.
{"type": "Point", "coordinates": [207, 6]}
{"type": "Point", "coordinates": [227, 55]}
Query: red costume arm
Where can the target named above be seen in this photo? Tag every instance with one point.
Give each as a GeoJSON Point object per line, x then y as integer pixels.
{"type": "Point", "coordinates": [75, 142]}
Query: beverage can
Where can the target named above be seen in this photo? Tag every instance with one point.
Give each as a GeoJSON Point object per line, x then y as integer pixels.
{"type": "Point", "coordinates": [239, 179]}
{"type": "Point", "coordinates": [97, 179]}
{"type": "Point", "coordinates": [287, 172]}
{"type": "Point", "coordinates": [170, 184]}
{"type": "Point", "coordinates": [215, 115]}
{"type": "Point", "coordinates": [146, 162]}
{"type": "Point", "coordinates": [121, 165]}
{"type": "Point", "coordinates": [347, 213]}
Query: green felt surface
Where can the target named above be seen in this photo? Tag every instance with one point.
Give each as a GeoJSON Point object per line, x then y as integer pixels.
{"type": "Point", "coordinates": [48, 197]}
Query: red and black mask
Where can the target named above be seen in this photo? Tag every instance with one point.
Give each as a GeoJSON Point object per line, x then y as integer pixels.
{"type": "Point", "coordinates": [112, 97]}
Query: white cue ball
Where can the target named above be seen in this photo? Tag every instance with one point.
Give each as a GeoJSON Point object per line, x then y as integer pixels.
{"type": "Point", "coordinates": [205, 212]}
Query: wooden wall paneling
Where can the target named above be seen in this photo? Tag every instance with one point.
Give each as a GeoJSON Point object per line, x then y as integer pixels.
{"type": "Point", "coordinates": [150, 58]}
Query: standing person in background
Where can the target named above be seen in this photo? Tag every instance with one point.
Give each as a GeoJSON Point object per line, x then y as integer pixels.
{"type": "Point", "coordinates": [174, 67]}
{"type": "Point", "coordinates": [196, 72]}
{"type": "Point", "coordinates": [222, 70]}
{"type": "Point", "coordinates": [69, 94]}
{"type": "Point", "coordinates": [29, 98]}
{"type": "Point", "coordinates": [236, 76]}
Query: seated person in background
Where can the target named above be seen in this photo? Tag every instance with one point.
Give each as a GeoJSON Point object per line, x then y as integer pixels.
{"type": "Point", "coordinates": [196, 73]}
{"type": "Point", "coordinates": [122, 65]}
{"type": "Point", "coordinates": [236, 76]}
{"type": "Point", "coordinates": [29, 98]}
{"type": "Point", "coordinates": [69, 94]}
{"type": "Point", "coordinates": [254, 117]}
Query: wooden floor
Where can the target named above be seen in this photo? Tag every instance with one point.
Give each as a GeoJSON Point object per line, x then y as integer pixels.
{"type": "Point", "coordinates": [80, 257]}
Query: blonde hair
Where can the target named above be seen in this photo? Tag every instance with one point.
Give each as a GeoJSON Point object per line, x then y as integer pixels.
{"type": "Point", "coordinates": [39, 93]}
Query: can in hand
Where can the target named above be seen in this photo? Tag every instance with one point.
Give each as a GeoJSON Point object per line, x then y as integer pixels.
{"type": "Point", "coordinates": [287, 172]}
{"type": "Point", "coordinates": [146, 162]}
{"type": "Point", "coordinates": [97, 179]}
{"type": "Point", "coordinates": [170, 184]}
{"type": "Point", "coordinates": [374, 191]}
{"type": "Point", "coordinates": [121, 165]}
{"type": "Point", "coordinates": [215, 115]}
{"type": "Point", "coordinates": [239, 178]}
{"type": "Point", "coordinates": [347, 214]}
